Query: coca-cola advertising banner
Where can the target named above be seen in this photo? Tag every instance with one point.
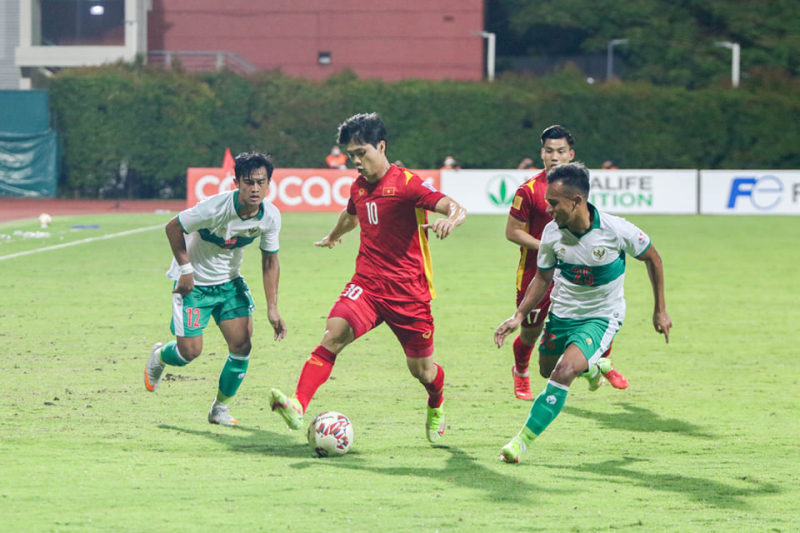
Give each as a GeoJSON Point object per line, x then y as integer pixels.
{"type": "Point", "coordinates": [291, 189]}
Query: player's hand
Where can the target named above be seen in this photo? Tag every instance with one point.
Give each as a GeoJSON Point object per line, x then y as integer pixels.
{"type": "Point", "coordinates": [442, 227]}
{"type": "Point", "coordinates": [185, 285]}
{"type": "Point", "coordinates": [277, 324]}
{"type": "Point", "coordinates": [327, 242]}
{"type": "Point", "coordinates": [662, 322]}
{"type": "Point", "coordinates": [507, 328]}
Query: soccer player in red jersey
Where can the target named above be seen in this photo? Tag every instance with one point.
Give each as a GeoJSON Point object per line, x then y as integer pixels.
{"type": "Point", "coordinates": [392, 282]}
{"type": "Point", "coordinates": [526, 221]}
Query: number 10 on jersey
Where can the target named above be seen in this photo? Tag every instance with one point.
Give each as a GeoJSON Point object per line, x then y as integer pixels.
{"type": "Point", "coordinates": [372, 213]}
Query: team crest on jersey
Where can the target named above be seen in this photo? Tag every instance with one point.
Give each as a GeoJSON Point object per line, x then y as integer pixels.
{"type": "Point", "coordinates": [252, 232]}
{"type": "Point", "coordinates": [599, 253]}
{"type": "Point", "coordinates": [561, 253]}
{"type": "Point", "coordinates": [388, 191]}
{"type": "Point", "coordinates": [517, 202]}
{"type": "Point", "coordinates": [361, 192]}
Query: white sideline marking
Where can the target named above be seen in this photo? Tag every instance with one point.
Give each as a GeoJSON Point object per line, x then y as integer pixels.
{"type": "Point", "coordinates": [83, 241]}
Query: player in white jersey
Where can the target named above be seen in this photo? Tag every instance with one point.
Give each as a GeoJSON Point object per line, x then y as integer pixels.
{"type": "Point", "coordinates": [207, 243]}
{"type": "Point", "coordinates": [585, 251]}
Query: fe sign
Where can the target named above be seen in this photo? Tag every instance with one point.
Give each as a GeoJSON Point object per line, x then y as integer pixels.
{"type": "Point", "coordinates": [750, 192]}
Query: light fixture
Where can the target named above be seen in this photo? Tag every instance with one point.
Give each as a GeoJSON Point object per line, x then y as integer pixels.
{"type": "Point", "coordinates": [324, 58]}
{"type": "Point", "coordinates": [97, 10]}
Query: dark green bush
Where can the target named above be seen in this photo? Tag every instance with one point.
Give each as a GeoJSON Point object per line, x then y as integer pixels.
{"type": "Point", "coordinates": [161, 122]}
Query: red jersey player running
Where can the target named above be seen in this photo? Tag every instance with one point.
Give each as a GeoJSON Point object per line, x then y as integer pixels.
{"type": "Point", "coordinates": [392, 282]}
{"type": "Point", "coordinates": [526, 221]}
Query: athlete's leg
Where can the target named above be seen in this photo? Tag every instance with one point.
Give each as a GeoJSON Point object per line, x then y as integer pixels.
{"type": "Point", "coordinates": [352, 315]}
{"type": "Point", "coordinates": [237, 332]}
{"type": "Point", "coordinates": [318, 367]}
{"type": "Point", "coordinates": [530, 330]}
{"type": "Point", "coordinates": [548, 404]}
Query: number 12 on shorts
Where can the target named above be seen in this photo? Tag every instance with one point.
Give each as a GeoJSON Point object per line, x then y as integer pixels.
{"type": "Point", "coordinates": [192, 311]}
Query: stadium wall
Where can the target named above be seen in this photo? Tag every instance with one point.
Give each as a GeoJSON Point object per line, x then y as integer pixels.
{"type": "Point", "coordinates": [428, 39]}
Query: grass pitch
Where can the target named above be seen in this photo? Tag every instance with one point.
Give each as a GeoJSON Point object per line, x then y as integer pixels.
{"type": "Point", "coordinates": [705, 438]}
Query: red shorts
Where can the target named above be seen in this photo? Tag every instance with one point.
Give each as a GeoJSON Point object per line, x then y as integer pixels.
{"type": "Point", "coordinates": [411, 322]}
{"type": "Point", "coordinates": [536, 317]}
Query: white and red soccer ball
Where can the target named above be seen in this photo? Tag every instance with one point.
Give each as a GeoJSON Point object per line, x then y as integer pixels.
{"type": "Point", "coordinates": [330, 433]}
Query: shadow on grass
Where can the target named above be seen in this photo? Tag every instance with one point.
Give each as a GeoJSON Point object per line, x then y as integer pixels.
{"type": "Point", "coordinates": [698, 489]}
{"type": "Point", "coordinates": [640, 419]}
{"type": "Point", "coordinates": [250, 440]}
{"type": "Point", "coordinates": [461, 470]}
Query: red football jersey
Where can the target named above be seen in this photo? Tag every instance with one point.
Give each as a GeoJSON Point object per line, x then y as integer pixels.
{"type": "Point", "coordinates": [394, 261]}
{"type": "Point", "coordinates": [529, 207]}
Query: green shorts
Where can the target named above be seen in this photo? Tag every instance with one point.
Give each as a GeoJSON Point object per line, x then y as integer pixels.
{"type": "Point", "coordinates": [191, 313]}
{"type": "Point", "coordinates": [592, 336]}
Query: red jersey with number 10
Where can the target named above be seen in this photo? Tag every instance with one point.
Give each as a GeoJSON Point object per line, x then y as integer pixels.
{"type": "Point", "coordinates": [529, 207]}
{"type": "Point", "coordinates": [394, 261]}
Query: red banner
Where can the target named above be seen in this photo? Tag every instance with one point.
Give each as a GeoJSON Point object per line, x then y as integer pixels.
{"type": "Point", "coordinates": [291, 189]}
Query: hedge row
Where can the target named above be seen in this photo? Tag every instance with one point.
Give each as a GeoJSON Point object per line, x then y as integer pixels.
{"type": "Point", "coordinates": [158, 122]}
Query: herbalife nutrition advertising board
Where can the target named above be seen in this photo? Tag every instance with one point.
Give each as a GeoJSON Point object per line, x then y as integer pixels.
{"type": "Point", "coordinates": [613, 191]}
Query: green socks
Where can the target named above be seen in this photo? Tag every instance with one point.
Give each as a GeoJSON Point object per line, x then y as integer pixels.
{"type": "Point", "coordinates": [171, 356]}
{"type": "Point", "coordinates": [232, 375]}
{"type": "Point", "coordinates": [544, 410]}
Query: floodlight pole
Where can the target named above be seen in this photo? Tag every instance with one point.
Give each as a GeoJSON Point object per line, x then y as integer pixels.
{"type": "Point", "coordinates": [490, 53]}
{"type": "Point", "coordinates": [610, 57]}
{"type": "Point", "coordinates": [735, 60]}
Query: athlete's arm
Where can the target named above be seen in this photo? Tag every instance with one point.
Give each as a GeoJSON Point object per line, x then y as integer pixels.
{"type": "Point", "coordinates": [346, 223]}
{"type": "Point", "coordinates": [655, 269]}
{"type": "Point", "coordinates": [456, 215]}
{"type": "Point", "coordinates": [533, 295]}
{"type": "Point", "coordinates": [271, 273]}
{"type": "Point", "coordinates": [517, 232]}
{"type": "Point", "coordinates": [178, 244]}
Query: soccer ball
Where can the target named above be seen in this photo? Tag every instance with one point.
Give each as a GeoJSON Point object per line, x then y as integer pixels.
{"type": "Point", "coordinates": [45, 220]}
{"type": "Point", "coordinates": [330, 433]}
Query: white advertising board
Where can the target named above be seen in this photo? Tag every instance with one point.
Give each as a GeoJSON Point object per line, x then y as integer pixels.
{"type": "Point", "coordinates": [613, 191]}
{"type": "Point", "coordinates": [750, 192]}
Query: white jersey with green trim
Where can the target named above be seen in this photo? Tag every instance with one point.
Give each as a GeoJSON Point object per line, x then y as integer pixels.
{"type": "Point", "coordinates": [216, 237]}
{"type": "Point", "coordinates": [590, 268]}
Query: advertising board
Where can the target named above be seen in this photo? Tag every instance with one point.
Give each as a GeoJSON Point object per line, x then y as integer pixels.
{"type": "Point", "coordinates": [613, 191]}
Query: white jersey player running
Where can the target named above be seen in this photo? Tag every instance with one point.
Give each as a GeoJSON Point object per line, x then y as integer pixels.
{"type": "Point", "coordinates": [207, 243]}
{"type": "Point", "coordinates": [585, 251]}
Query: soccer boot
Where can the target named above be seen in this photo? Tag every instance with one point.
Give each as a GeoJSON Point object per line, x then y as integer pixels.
{"type": "Point", "coordinates": [611, 374]}
{"type": "Point", "coordinates": [154, 368]}
{"type": "Point", "coordinates": [510, 452]}
{"type": "Point", "coordinates": [595, 378]}
{"type": "Point", "coordinates": [289, 409]}
{"type": "Point", "coordinates": [219, 415]}
{"type": "Point", "coordinates": [434, 424]}
{"type": "Point", "coordinates": [522, 385]}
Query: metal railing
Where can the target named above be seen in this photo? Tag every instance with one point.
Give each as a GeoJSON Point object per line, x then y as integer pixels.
{"type": "Point", "coordinates": [201, 61]}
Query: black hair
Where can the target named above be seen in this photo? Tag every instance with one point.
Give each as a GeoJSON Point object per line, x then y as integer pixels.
{"type": "Point", "coordinates": [364, 128]}
{"type": "Point", "coordinates": [574, 175]}
{"type": "Point", "coordinates": [558, 132]}
{"type": "Point", "coordinates": [248, 162]}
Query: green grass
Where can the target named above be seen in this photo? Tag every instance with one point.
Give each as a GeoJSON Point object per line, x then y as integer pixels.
{"type": "Point", "coordinates": [705, 439]}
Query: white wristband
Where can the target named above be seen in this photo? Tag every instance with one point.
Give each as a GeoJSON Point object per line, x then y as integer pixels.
{"type": "Point", "coordinates": [186, 269]}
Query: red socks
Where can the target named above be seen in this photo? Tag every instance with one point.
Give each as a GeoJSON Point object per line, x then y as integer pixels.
{"type": "Point", "coordinates": [316, 371]}
{"type": "Point", "coordinates": [522, 355]}
{"type": "Point", "coordinates": [436, 388]}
